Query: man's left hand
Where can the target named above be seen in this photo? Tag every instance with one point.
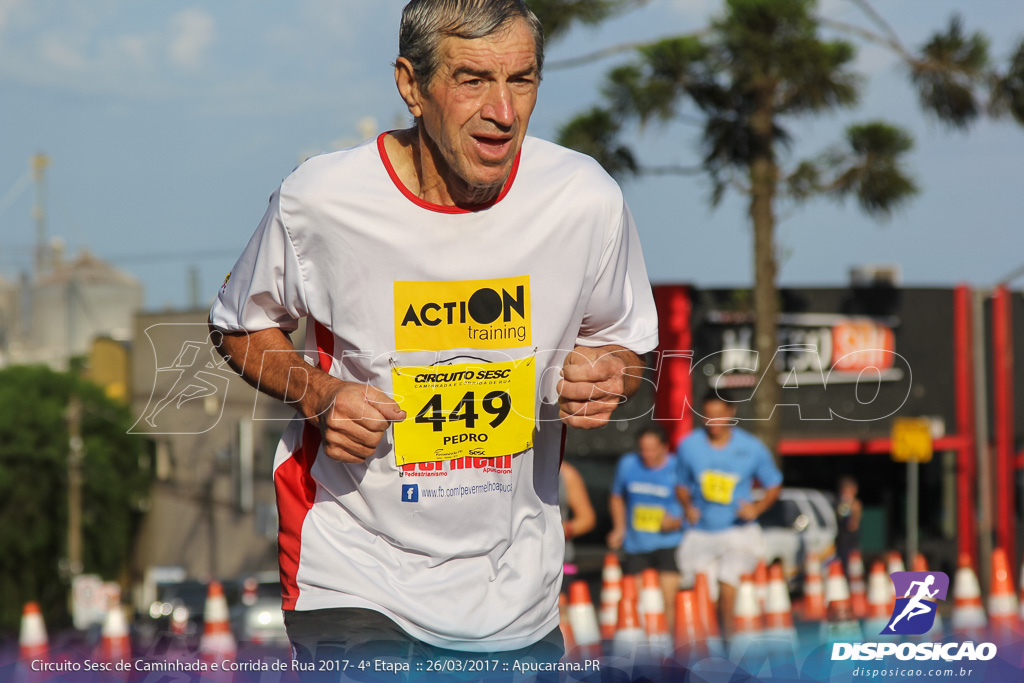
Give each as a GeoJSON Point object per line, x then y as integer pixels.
{"type": "Point", "coordinates": [748, 511]}
{"type": "Point", "coordinates": [593, 383]}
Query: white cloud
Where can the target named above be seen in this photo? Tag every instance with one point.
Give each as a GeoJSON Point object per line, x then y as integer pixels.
{"type": "Point", "coordinates": [8, 8]}
{"type": "Point", "coordinates": [192, 34]}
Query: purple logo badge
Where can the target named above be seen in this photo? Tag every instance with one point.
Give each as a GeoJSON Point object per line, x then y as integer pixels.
{"type": "Point", "coordinates": [917, 596]}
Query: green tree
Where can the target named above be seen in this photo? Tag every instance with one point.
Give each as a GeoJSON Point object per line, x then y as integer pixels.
{"type": "Point", "coordinates": [33, 487]}
{"type": "Point", "coordinates": [761, 66]}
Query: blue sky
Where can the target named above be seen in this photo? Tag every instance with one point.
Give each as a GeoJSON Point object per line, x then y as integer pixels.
{"type": "Point", "coordinates": [169, 123]}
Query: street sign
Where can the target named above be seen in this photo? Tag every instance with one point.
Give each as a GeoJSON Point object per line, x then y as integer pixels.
{"type": "Point", "coordinates": [912, 439]}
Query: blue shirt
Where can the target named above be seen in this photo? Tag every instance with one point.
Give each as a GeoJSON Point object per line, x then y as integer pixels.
{"type": "Point", "coordinates": [650, 496]}
{"type": "Point", "coordinates": [720, 479]}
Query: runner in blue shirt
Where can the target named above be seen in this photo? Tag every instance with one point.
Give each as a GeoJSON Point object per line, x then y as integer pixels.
{"type": "Point", "coordinates": [718, 466]}
{"type": "Point", "coordinates": [647, 518]}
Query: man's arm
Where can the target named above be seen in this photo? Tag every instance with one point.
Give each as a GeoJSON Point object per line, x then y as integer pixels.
{"type": "Point", "coordinates": [594, 381]}
{"type": "Point", "coordinates": [352, 417]}
{"type": "Point", "coordinates": [751, 511]}
{"type": "Point", "coordinates": [583, 516]}
{"type": "Point", "coordinates": [856, 510]}
{"type": "Point", "coordinates": [691, 510]}
{"type": "Point", "coordinates": [617, 510]}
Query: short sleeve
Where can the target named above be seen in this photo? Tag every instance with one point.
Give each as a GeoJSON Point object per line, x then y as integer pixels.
{"type": "Point", "coordinates": [621, 308]}
{"type": "Point", "coordinates": [265, 288]}
{"type": "Point", "coordinates": [767, 471]}
{"type": "Point", "coordinates": [684, 476]}
{"type": "Point", "coordinates": [619, 484]}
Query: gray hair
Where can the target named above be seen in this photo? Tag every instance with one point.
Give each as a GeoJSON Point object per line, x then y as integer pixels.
{"type": "Point", "coordinates": [426, 22]}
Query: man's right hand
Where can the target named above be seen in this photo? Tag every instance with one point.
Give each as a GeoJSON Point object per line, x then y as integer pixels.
{"type": "Point", "coordinates": [692, 514]}
{"type": "Point", "coordinates": [353, 418]}
{"type": "Point", "coordinates": [615, 537]}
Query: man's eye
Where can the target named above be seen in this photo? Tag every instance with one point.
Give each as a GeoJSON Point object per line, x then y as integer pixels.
{"type": "Point", "coordinates": [472, 82]}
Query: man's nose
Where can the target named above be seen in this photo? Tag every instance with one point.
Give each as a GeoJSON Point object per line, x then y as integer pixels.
{"type": "Point", "coordinates": [498, 106]}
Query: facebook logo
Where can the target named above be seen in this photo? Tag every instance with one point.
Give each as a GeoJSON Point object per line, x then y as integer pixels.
{"type": "Point", "coordinates": [411, 493]}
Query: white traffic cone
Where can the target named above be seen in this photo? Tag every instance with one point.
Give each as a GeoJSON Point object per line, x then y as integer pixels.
{"type": "Point", "coordinates": [611, 593]}
{"type": "Point", "coordinates": [747, 627]}
{"type": "Point", "coordinates": [879, 607]}
{"type": "Point", "coordinates": [217, 642]}
{"type": "Point", "coordinates": [969, 620]}
{"type": "Point", "coordinates": [32, 640]}
{"type": "Point", "coordinates": [841, 624]}
{"type": "Point", "coordinates": [583, 621]}
{"type": "Point", "coordinates": [858, 589]}
{"type": "Point", "coordinates": [114, 645]}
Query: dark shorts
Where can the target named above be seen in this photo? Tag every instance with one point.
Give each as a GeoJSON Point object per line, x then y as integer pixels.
{"type": "Point", "coordinates": [324, 640]}
{"type": "Point", "coordinates": [662, 559]}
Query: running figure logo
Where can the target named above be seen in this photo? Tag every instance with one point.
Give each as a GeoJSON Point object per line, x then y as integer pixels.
{"type": "Point", "coordinates": [914, 613]}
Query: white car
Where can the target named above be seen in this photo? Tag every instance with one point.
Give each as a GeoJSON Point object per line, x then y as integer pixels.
{"type": "Point", "coordinates": [801, 521]}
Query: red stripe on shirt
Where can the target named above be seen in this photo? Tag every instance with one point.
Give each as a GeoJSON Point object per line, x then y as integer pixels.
{"type": "Point", "coordinates": [296, 493]}
{"type": "Point", "coordinates": [324, 345]}
{"type": "Point", "coordinates": [440, 208]}
{"type": "Point", "coordinates": [296, 488]}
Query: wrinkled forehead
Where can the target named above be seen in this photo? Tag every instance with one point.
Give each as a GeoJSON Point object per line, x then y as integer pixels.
{"type": "Point", "coordinates": [509, 50]}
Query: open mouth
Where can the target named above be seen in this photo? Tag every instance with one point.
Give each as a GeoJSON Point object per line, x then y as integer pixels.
{"type": "Point", "coordinates": [493, 146]}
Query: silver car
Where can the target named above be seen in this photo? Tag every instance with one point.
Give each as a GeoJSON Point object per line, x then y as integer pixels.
{"type": "Point", "coordinates": [258, 619]}
{"type": "Point", "coordinates": [801, 521]}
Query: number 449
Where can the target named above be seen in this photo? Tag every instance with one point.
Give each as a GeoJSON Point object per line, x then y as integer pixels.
{"type": "Point", "coordinates": [496, 403]}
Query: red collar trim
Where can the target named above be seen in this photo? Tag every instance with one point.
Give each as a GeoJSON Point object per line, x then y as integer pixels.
{"type": "Point", "coordinates": [440, 208]}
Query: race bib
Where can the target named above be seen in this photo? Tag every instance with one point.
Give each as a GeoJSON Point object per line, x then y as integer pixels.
{"type": "Point", "coordinates": [484, 410]}
{"type": "Point", "coordinates": [718, 487]}
{"type": "Point", "coordinates": [648, 518]}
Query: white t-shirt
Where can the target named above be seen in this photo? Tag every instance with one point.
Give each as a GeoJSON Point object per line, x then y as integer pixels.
{"type": "Point", "coordinates": [455, 532]}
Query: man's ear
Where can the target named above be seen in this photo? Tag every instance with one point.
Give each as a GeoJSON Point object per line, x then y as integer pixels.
{"type": "Point", "coordinates": [408, 87]}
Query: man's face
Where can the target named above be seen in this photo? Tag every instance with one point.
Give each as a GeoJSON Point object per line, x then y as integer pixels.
{"type": "Point", "coordinates": [652, 450]}
{"type": "Point", "coordinates": [477, 106]}
{"type": "Point", "coordinates": [717, 416]}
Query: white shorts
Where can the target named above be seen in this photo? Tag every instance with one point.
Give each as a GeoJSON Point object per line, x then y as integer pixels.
{"type": "Point", "coordinates": [723, 556]}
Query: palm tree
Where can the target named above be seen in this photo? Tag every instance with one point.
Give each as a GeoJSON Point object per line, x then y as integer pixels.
{"type": "Point", "coordinates": [759, 67]}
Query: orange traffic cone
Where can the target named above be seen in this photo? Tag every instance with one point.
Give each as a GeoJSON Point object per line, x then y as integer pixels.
{"type": "Point", "coordinates": [858, 589]}
{"type": "Point", "coordinates": [114, 645]}
{"type": "Point", "coordinates": [778, 613]}
{"type": "Point", "coordinates": [747, 626]}
{"type": "Point", "coordinates": [814, 593]}
{"type": "Point", "coordinates": [583, 620]}
{"type": "Point", "coordinates": [747, 617]}
{"type": "Point", "coordinates": [895, 562]}
{"type": "Point", "coordinates": [611, 593]}
{"type": "Point", "coordinates": [629, 592]}
{"type": "Point", "coordinates": [708, 613]}
{"type": "Point", "coordinates": [879, 610]}
{"type": "Point", "coordinates": [690, 640]}
{"type": "Point", "coordinates": [968, 615]}
{"type": "Point", "coordinates": [841, 624]}
{"type": "Point", "coordinates": [1002, 601]}
{"type": "Point", "coordinates": [651, 597]}
{"type": "Point", "coordinates": [32, 640]}
{"type": "Point", "coordinates": [652, 613]}
{"type": "Point", "coordinates": [565, 627]}
{"type": "Point", "coordinates": [761, 585]}
{"type": "Point", "coordinates": [217, 642]}
{"type": "Point", "coordinates": [629, 634]}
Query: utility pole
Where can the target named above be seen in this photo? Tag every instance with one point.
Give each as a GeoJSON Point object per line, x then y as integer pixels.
{"type": "Point", "coordinates": [40, 162]}
{"type": "Point", "coordinates": [75, 455]}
